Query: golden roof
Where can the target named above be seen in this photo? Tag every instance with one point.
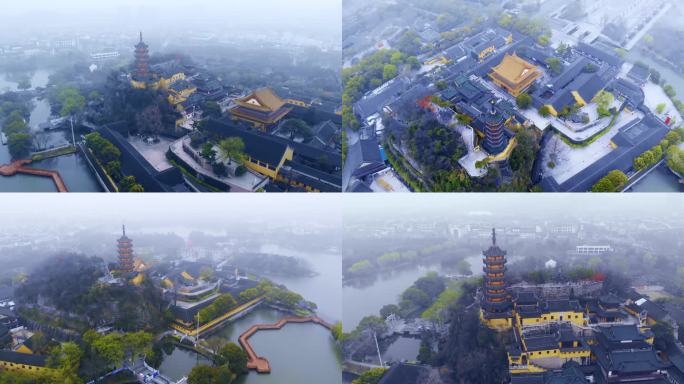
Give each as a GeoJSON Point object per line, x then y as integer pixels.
{"type": "Point", "coordinates": [263, 99]}
{"type": "Point", "coordinates": [514, 69]}
{"type": "Point", "coordinates": [138, 279]}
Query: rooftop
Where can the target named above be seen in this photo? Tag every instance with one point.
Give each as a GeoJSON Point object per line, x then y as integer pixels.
{"type": "Point", "coordinates": [262, 147]}
{"type": "Point", "coordinates": [514, 69]}
{"type": "Point", "coordinates": [22, 358]}
{"type": "Point", "coordinates": [263, 99]}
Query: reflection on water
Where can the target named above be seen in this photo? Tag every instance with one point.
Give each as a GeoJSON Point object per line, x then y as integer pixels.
{"type": "Point", "coordinates": [365, 297]}
{"type": "Point", "coordinates": [324, 289]}
{"type": "Point", "coordinates": [659, 180]}
{"type": "Point", "coordinates": [180, 362]}
{"type": "Point", "coordinates": [290, 350]}
{"type": "Point", "coordinates": [40, 113]}
{"type": "Point", "coordinates": [668, 74]}
{"type": "Point", "coordinates": [38, 78]}
{"type": "Point", "coordinates": [298, 353]}
{"type": "Point", "coordinates": [361, 301]}
{"type": "Point", "coordinates": [402, 349]}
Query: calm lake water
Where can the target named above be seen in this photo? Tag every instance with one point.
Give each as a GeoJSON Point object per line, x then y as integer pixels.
{"type": "Point", "coordinates": [361, 300]}
{"type": "Point", "coordinates": [180, 362]}
{"type": "Point", "coordinates": [39, 79]}
{"type": "Point", "coordinates": [660, 180]}
{"type": "Point", "coordinates": [324, 289]}
{"type": "Point", "coordinates": [73, 168]}
{"type": "Point", "coordinates": [402, 349]}
{"type": "Point", "coordinates": [290, 350]}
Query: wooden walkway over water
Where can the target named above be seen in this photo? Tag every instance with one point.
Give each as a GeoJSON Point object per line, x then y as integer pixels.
{"type": "Point", "coordinates": [261, 364]}
{"type": "Point", "coordinates": [18, 166]}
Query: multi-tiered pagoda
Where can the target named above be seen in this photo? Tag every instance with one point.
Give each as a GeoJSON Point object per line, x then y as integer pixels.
{"type": "Point", "coordinates": [496, 303]}
{"type": "Point", "coordinates": [125, 247]}
{"type": "Point", "coordinates": [495, 137]}
{"type": "Point", "coordinates": [141, 66]}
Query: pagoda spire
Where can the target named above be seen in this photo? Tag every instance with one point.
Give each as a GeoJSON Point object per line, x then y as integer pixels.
{"type": "Point", "coordinates": [123, 227]}
{"type": "Point", "coordinates": [493, 236]}
{"type": "Point", "coordinates": [141, 37]}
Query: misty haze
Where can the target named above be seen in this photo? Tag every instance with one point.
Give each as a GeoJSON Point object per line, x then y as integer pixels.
{"type": "Point", "coordinates": [513, 96]}
{"type": "Point", "coordinates": [519, 288]}
{"type": "Point", "coordinates": [165, 283]}
{"type": "Point", "coordinates": [170, 96]}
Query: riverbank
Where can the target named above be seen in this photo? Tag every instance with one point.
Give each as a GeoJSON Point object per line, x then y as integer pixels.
{"type": "Point", "coordinates": [54, 152]}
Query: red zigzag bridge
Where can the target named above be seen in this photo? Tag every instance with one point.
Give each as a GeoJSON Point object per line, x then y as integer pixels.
{"type": "Point", "coordinates": [261, 364]}
{"type": "Point", "coordinates": [18, 166]}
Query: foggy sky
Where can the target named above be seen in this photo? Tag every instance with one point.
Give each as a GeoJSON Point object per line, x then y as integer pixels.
{"type": "Point", "coordinates": [523, 205]}
{"type": "Point", "coordinates": [313, 17]}
{"type": "Point", "coordinates": [203, 211]}
{"type": "Point", "coordinates": [207, 210]}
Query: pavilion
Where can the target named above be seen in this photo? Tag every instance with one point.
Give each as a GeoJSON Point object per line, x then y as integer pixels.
{"type": "Point", "coordinates": [262, 108]}
{"type": "Point", "coordinates": [514, 74]}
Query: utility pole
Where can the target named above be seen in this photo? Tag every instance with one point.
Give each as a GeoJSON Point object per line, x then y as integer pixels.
{"type": "Point", "coordinates": [73, 137]}
{"type": "Point", "coordinates": [377, 347]}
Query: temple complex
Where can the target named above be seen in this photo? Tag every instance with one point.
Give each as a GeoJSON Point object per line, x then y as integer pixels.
{"type": "Point", "coordinates": [262, 108]}
{"type": "Point", "coordinates": [514, 74]}
{"type": "Point", "coordinates": [496, 302]}
{"type": "Point", "coordinates": [125, 249]}
{"type": "Point", "coordinates": [583, 337]}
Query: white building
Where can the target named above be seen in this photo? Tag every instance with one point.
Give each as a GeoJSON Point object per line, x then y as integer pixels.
{"type": "Point", "coordinates": [593, 250]}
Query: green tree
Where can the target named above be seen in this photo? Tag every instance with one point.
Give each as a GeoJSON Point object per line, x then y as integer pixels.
{"type": "Point", "coordinates": [389, 72]}
{"type": "Point", "coordinates": [24, 84]}
{"type": "Point", "coordinates": [555, 65]}
{"type": "Point", "coordinates": [337, 332]}
{"type": "Point", "coordinates": [524, 101]}
{"type": "Point", "coordinates": [416, 297]}
{"type": "Point", "coordinates": [613, 182]}
{"type": "Point", "coordinates": [670, 91]}
{"type": "Point", "coordinates": [544, 40]}
{"type": "Point", "coordinates": [425, 352]}
{"type": "Point", "coordinates": [71, 100]}
{"type": "Point", "coordinates": [211, 109]}
{"type": "Point", "coordinates": [297, 128]}
{"type": "Point", "coordinates": [235, 357]}
{"type": "Point", "coordinates": [67, 359]}
{"type": "Point", "coordinates": [219, 307]}
{"type": "Point", "coordinates": [372, 376]}
{"type": "Point", "coordinates": [431, 284]}
{"type": "Point", "coordinates": [19, 145]}
{"type": "Point", "coordinates": [136, 188]}
{"type": "Point", "coordinates": [389, 309]}
{"type": "Point", "coordinates": [660, 108]}
{"type": "Point", "coordinates": [463, 267]}
{"type": "Point", "coordinates": [663, 336]}
{"type": "Point", "coordinates": [203, 374]}
{"type": "Point", "coordinates": [233, 149]}
{"type": "Point", "coordinates": [208, 152]}
{"type": "Point", "coordinates": [545, 111]}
